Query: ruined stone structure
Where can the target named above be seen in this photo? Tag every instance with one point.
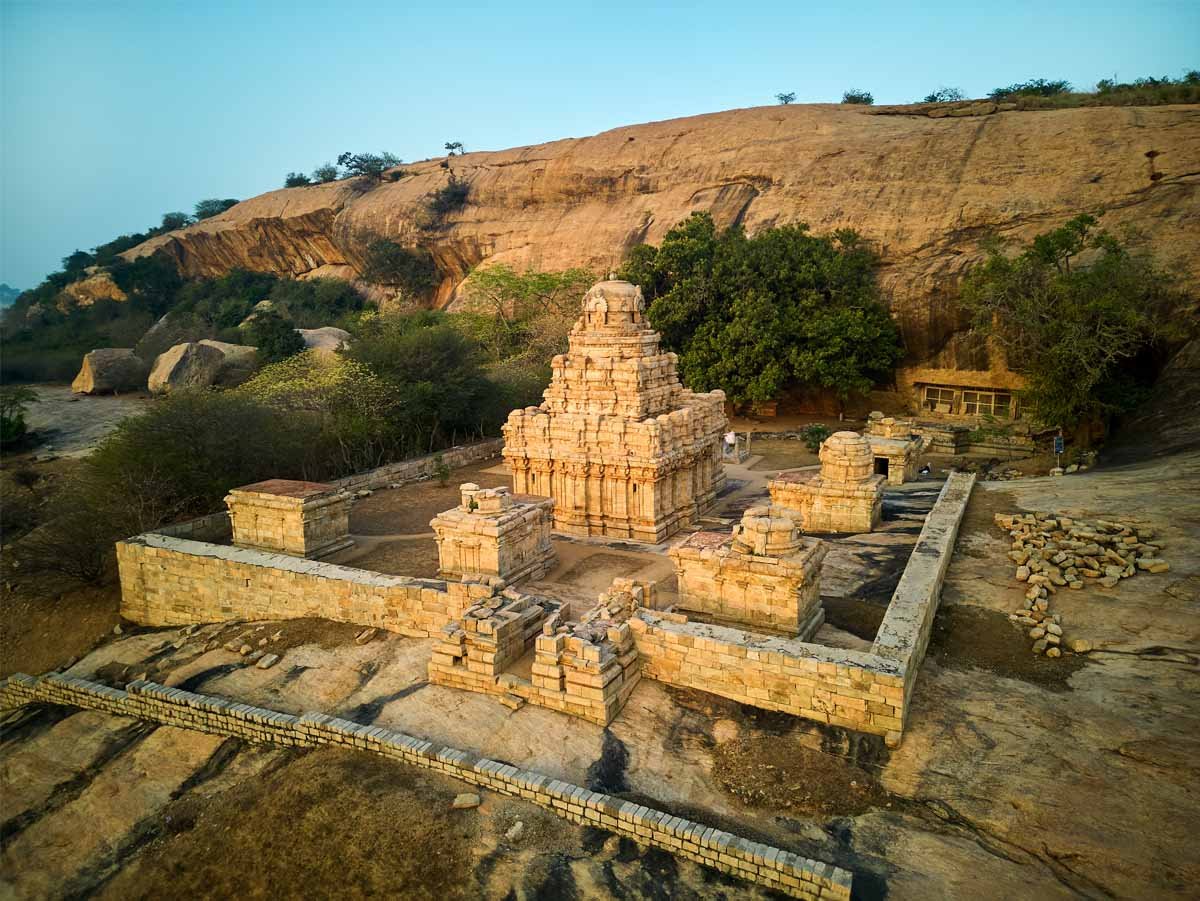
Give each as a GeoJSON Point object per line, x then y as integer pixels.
{"type": "Point", "coordinates": [895, 447]}
{"type": "Point", "coordinates": [304, 519]}
{"type": "Point", "coordinates": [495, 533]}
{"type": "Point", "coordinates": [587, 669]}
{"type": "Point", "coordinates": [622, 447]}
{"type": "Point", "coordinates": [845, 497]}
{"type": "Point", "coordinates": [765, 575]}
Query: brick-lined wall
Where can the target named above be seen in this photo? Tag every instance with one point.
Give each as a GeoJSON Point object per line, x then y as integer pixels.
{"type": "Point", "coordinates": [853, 689]}
{"type": "Point", "coordinates": [174, 581]}
{"type": "Point", "coordinates": [422, 467]}
{"type": "Point", "coordinates": [755, 862]}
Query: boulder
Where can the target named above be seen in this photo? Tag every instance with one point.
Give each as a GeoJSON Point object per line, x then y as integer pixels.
{"type": "Point", "coordinates": [110, 369]}
{"type": "Point", "coordinates": [189, 365]}
{"type": "Point", "coordinates": [324, 340]}
{"type": "Point", "coordinates": [241, 362]}
{"type": "Point", "coordinates": [171, 329]}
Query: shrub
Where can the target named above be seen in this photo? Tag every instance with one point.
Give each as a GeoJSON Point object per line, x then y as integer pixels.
{"type": "Point", "coordinates": [1073, 310]}
{"type": "Point", "coordinates": [854, 95]}
{"type": "Point", "coordinates": [754, 315]}
{"type": "Point", "coordinates": [944, 95]}
{"type": "Point", "coordinates": [14, 403]}
{"type": "Point", "coordinates": [206, 209]}
{"type": "Point", "coordinates": [296, 180]}
{"type": "Point", "coordinates": [26, 477]}
{"type": "Point", "coordinates": [787, 98]}
{"type": "Point", "coordinates": [1037, 87]}
{"type": "Point", "coordinates": [326, 172]}
{"type": "Point", "coordinates": [450, 197]}
{"type": "Point", "coordinates": [412, 269]}
{"type": "Point", "coordinates": [275, 337]}
{"type": "Point", "coordinates": [174, 221]}
{"type": "Point", "coordinates": [814, 435]}
{"type": "Point", "coordinates": [441, 471]}
{"type": "Point", "coordinates": [453, 147]}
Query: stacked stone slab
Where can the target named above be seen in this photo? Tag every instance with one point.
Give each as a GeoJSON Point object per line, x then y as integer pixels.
{"type": "Point", "coordinates": [622, 447]}
{"type": "Point", "coordinates": [764, 575]}
{"type": "Point", "coordinates": [845, 497]}
{"type": "Point", "coordinates": [495, 533]}
{"type": "Point", "coordinates": [895, 440]}
{"type": "Point", "coordinates": [304, 519]}
{"type": "Point", "coordinates": [491, 636]}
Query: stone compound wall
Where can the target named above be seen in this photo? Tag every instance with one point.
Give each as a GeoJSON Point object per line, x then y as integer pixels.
{"type": "Point", "coordinates": [306, 519]}
{"type": "Point", "coordinates": [174, 581]}
{"type": "Point", "coordinates": [763, 575]}
{"type": "Point", "coordinates": [494, 533]}
{"type": "Point", "coordinates": [864, 691]}
{"type": "Point", "coordinates": [422, 467]}
{"type": "Point", "coordinates": [795, 876]}
{"type": "Point", "coordinates": [623, 448]}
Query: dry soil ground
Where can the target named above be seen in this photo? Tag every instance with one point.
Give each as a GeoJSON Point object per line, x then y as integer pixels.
{"type": "Point", "coordinates": [1018, 777]}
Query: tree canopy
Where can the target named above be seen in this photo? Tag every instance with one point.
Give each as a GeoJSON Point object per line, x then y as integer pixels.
{"type": "Point", "coordinates": [1072, 309]}
{"type": "Point", "coordinates": [754, 315]}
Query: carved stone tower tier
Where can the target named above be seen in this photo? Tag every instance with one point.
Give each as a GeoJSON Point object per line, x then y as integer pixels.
{"type": "Point", "coordinates": [623, 448]}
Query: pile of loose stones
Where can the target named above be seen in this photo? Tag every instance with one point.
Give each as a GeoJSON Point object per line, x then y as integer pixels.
{"type": "Point", "coordinates": [1053, 552]}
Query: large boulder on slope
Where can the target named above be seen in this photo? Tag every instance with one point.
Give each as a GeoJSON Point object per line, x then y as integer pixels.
{"type": "Point", "coordinates": [109, 369]}
{"type": "Point", "coordinates": [189, 365]}
{"type": "Point", "coordinates": [326, 339]}
{"type": "Point", "coordinates": [241, 362]}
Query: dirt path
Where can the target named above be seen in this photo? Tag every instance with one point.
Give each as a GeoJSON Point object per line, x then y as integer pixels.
{"type": "Point", "coordinates": [70, 425]}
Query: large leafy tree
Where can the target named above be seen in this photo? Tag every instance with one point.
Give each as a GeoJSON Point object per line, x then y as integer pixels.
{"type": "Point", "coordinates": [754, 315]}
{"type": "Point", "coordinates": [1072, 310]}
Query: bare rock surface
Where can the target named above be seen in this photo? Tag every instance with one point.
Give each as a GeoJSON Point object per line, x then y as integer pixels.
{"type": "Point", "coordinates": [110, 369]}
{"type": "Point", "coordinates": [189, 365]}
{"type": "Point", "coordinates": [922, 190]}
{"type": "Point", "coordinates": [326, 339]}
{"type": "Point", "coordinates": [241, 362]}
{"type": "Point", "coordinates": [71, 424]}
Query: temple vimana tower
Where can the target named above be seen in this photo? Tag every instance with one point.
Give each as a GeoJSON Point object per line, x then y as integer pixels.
{"type": "Point", "coordinates": [619, 444]}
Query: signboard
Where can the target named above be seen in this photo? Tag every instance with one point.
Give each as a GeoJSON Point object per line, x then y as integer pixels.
{"type": "Point", "coordinates": [1058, 444]}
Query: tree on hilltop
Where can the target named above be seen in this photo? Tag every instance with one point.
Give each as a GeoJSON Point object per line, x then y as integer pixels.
{"type": "Point", "coordinates": [367, 165]}
{"type": "Point", "coordinates": [785, 99]}
{"type": "Point", "coordinates": [854, 95]}
{"type": "Point", "coordinates": [206, 209]}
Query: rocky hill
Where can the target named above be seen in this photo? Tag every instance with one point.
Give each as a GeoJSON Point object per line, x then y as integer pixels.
{"type": "Point", "coordinates": [925, 184]}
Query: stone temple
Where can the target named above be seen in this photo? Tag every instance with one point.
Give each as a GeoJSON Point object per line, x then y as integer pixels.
{"type": "Point", "coordinates": [619, 444]}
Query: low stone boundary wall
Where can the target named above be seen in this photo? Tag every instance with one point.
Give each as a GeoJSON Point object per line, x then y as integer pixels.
{"type": "Point", "coordinates": [422, 467]}
{"type": "Point", "coordinates": [903, 636]}
{"type": "Point", "coordinates": [213, 527]}
{"type": "Point", "coordinates": [762, 864]}
{"type": "Point", "coordinates": [169, 581]}
{"type": "Point", "coordinates": [853, 689]}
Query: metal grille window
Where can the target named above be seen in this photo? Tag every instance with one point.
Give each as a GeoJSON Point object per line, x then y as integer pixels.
{"type": "Point", "coordinates": [939, 400]}
{"type": "Point", "coordinates": [987, 403]}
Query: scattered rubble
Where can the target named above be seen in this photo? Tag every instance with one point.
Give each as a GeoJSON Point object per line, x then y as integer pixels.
{"type": "Point", "coordinates": [1052, 552]}
{"type": "Point", "coordinates": [466, 801]}
{"type": "Point", "coordinates": [267, 661]}
{"type": "Point", "coordinates": [364, 636]}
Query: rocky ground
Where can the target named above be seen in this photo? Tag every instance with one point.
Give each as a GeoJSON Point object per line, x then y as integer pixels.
{"type": "Point", "coordinates": [1019, 776]}
{"type": "Point", "coordinates": [70, 425]}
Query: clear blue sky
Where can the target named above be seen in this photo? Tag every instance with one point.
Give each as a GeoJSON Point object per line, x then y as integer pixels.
{"type": "Point", "coordinates": [112, 113]}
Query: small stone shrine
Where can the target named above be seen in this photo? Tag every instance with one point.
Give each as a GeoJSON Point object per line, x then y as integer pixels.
{"type": "Point", "coordinates": [495, 533]}
{"type": "Point", "coordinates": [894, 446]}
{"type": "Point", "coordinates": [847, 495]}
{"type": "Point", "coordinates": [302, 519]}
{"type": "Point", "coordinates": [764, 575]}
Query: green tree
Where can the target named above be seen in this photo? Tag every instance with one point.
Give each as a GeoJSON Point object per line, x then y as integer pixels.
{"type": "Point", "coordinates": [206, 209]}
{"type": "Point", "coordinates": [411, 268]}
{"type": "Point", "coordinates": [854, 95]}
{"type": "Point", "coordinates": [1072, 310]}
{"type": "Point", "coordinates": [453, 147]}
{"type": "Point", "coordinates": [367, 165]}
{"type": "Point", "coordinates": [296, 180]}
{"type": "Point", "coordinates": [275, 337]}
{"type": "Point", "coordinates": [754, 315]}
{"type": "Point", "coordinates": [326, 172]}
{"type": "Point", "coordinates": [785, 99]}
{"type": "Point", "coordinates": [174, 221]}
